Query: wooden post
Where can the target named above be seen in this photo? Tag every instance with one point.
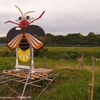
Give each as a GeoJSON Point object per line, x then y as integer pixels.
{"type": "Point", "coordinates": [93, 69]}
{"type": "Point", "coordinates": [6, 64]}
{"type": "Point", "coordinates": [12, 62]}
{"type": "Point", "coordinates": [79, 65]}
{"type": "Point", "coordinates": [16, 58]}
{"type": "Point", "coordinates": [90, 92]}
{"type": "Point", "coordinates": [82, 59]}
{"type": "Point", "coordinates": [44, 60]}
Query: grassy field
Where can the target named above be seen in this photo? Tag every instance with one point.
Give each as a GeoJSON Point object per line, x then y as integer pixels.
{"type": "Point", "coordinates": [71, 84]}
{"type": "Point", "coordinates": [90, 49]}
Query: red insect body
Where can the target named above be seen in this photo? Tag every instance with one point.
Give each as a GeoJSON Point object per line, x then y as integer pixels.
{"type": "Point", "coordinates": [24, 23]}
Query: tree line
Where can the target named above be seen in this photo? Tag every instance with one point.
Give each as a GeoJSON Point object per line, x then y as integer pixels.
{"type": "Point", "coordinates": [73, 39]}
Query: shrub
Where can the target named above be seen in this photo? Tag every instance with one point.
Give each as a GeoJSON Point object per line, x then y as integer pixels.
{"type": "Point", "coordinates": [5, 53]}
{"type": "Point", "coordinates": [72, 54]}
{"type": "Point", "coordinates": [38, 53]}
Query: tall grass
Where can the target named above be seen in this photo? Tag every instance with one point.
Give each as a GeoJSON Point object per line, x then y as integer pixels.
{"type": "Point", "coordinates": [71, 84]}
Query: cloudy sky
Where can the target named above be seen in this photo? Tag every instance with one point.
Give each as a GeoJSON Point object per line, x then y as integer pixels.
{"type": "Point", "coordinates": [61, 17]}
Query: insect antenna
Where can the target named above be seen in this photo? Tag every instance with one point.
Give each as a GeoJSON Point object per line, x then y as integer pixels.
{"type": "Point", "coordinates": [26, 13]}
{"type": "Point", "coordinates": [20, 10]}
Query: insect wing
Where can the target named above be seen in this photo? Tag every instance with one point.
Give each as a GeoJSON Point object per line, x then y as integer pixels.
{"type": "Point", "coordinates": [14, 32]}
{"type": "Point", "coordinates": [33, 41]}
{"type": "Point", "coordinates": [34, 29]}
{"type": "Point", "coordinates": [14, 43]}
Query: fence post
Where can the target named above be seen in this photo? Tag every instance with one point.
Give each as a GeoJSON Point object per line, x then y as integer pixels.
{"type": "Point", "coordinates": [12, 62]}
{"type": "Point", "coordinates": [6, 64]}
{"type": "Point", "coordinates": [44, 60]}
{"type": "Point", "coordinates": [82, 59]}
{"type": "Point", "coordinates": [90, 92]}
{"type": "Point", "coordinates": [93, 69]}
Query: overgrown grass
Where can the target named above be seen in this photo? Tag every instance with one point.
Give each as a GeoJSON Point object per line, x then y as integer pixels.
{"type": "Point", "coordinates": [71, 84]}
{"type": "Point", "coordinates": [91, 49]}
{"type": "Point", "coordinates": [58, 52]}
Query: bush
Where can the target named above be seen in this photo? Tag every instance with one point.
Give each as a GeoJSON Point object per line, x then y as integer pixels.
{"type": "Point", "coordinates": [5, 53]}
{"type": "Point", "coordinates": [72, 54]}
{"type": "Point", "coordinates": [41, 52]}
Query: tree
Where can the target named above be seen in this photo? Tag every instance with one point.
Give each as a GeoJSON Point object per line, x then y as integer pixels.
{"type": "Point", "coordinates": [92, 38]}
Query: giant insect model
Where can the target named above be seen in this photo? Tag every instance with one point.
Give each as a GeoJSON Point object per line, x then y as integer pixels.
{"type": "Point", "coordinates": [24, 36]}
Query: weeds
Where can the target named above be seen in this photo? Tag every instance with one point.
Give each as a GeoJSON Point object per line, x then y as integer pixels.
{"type": "Point", "coordinates": [71, 84]}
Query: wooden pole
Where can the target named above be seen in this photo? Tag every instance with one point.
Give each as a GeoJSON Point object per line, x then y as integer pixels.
{"type": "Point", "coordinates": [82, 59]}
{"type": "Point", "coordinates": [93, 69]}
{"type": "Point", "coordinates": [16, 58]}
{"type": "Point", "coordinates": [79, 65]}
{"type": "Point", "coordinates": [12, 62]}
{"type": "Point", "coordinates": [6, 64]}
{"type": "Point", "coordinates": [44, 60]}
{"type": "Point", "coordinates": [90, 92]}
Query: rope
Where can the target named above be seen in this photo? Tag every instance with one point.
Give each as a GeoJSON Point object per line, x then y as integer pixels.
{"type": "Point", "coordinates": [87, 67]}
{"type": "Point", "coordinates": [81, 61]}
{"type": "Point", "coordinates": [96, 59]}
{"type": "Point", "coordinates": [6, 28]}
{"type": "Point", "coordinates": [90, 60]}
{"type": "Point", "coordinates": [90, 91]}
{"type": "Point", "coordinates": [92, 81]}
{"type": "Point", "coordinates": [67, 55]}
{"type": "Point", "coordinates": [87, 60]}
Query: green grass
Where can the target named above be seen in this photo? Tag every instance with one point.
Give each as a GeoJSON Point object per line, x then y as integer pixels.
{"type": "Point", "coordinates": [91, 49]}
{"type": "Point", "coordinates": [71, 84]}
{"type": "Point", "coordinates": [3, 48]}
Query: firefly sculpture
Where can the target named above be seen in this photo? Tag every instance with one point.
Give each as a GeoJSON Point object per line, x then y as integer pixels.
{"type": "Point", "coordinates": [24, 36]}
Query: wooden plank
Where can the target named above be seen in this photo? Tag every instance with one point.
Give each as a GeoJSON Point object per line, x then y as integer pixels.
{"type": "Point", "coordinates": [45, 74]}
{"type": "Point", "coordinates": [5, 72]}
{"type": "Point", "coordinates": [24, 74]}
{"type": "Point", "coordinates": [9, 71]}
{"type": "Point", "coordinates": [18, 75]}
{"type": "Point", "coordinates": [40, 75]}
{"type": "Point", "coordinates": [43, 70]}
{"type": "Point", "coordinates": [35, 76]}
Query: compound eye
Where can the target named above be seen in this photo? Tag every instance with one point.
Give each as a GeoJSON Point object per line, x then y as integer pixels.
{"type": "Point", "coordinates": [28, 18]}
{"type": "Point", "coordinates": [20, 18]}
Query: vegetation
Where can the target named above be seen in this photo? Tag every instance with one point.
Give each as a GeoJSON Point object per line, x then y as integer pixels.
{"type": "Point", "coordinates": [75, 39]}
{"type": "Point", "coordinates": [71, 84]}
{"type": "Point", "coordinates": [3, 40]}
{"type": "Point", "coordinates": [58, 52]}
